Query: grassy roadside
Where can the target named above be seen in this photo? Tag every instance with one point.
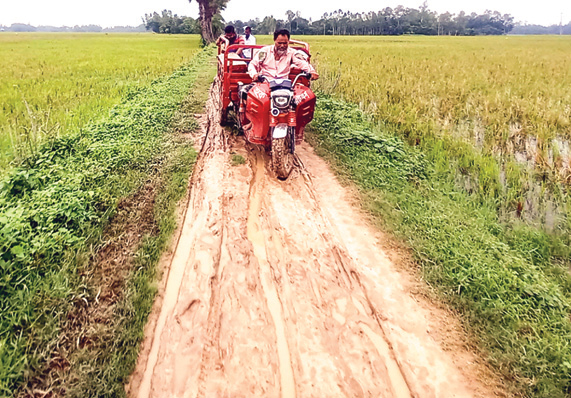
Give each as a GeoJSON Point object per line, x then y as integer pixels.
{"type": "Point", "coordinates": [53, 214]}
{"type": "Point", "coordinates": [509, 282]}
{"type": "Point", "coordinates": [483, 104]}
{"type": "Point", "coordinates": [103, 370]}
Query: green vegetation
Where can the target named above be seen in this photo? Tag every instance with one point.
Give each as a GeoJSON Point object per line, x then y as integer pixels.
{"type": "Point", "coordinates": [511, 284]}
{"type": "Point", "coordinates": [496, 110]}
{"type": "Point", "coordinates": [388, 21]}
{"type": "Point", "coordinates": [52, 84]}
{"type": "Point", "coordinates": [459, 145]}
{"type": "Point", "coordinates": [237, 159]}
{"type": "Point", "coordinates": [53, 211]}
{"type": "Point", "coordinates": [425, 85]}
{"type": "Point", "coordinates": [103, 369]}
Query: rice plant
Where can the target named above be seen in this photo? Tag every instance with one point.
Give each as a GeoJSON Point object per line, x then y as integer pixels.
{"type": "Point", "coordinates": [52, 84]}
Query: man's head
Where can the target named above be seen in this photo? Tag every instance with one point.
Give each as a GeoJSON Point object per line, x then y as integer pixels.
{"type": "Point", "coordinates": [230, 33]}
{"type": "Point", "coordinates": [248, 31]}
{"type": "Point", "coordinates": [281, 41]}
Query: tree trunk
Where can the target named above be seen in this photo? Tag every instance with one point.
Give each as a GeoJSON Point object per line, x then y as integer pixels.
{"type": "Point", "coordinates": [206, 13]}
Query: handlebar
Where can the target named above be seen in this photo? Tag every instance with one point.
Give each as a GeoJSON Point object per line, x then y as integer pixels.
{"type": "Point", "coordinates": [307, 75]}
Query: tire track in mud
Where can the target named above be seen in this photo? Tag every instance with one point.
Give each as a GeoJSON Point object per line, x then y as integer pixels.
{"type": "Point", "coordinates": [257, 238]}
{"type": "Point", "coordinates": [341, 280]}
{"type": "Point", "coordinates": [280, 289]}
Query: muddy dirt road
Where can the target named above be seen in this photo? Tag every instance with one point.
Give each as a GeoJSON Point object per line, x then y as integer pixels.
{"type": "Point", "coordinates": [281, 289]}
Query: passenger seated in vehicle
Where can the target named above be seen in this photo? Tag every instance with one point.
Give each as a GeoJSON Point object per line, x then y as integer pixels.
{"type": "Point", "coordinates": [232, 37]}
{"type": "Point", "coordinates": [250, 39]}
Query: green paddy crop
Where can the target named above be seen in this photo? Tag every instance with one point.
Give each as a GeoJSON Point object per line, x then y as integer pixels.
{"type": "Point", "coordinates": [504, 85]}
{"type": "Point", "coordinates": [53, 84]}
{"type": "Point", "coordinates": [493, 111]}
{"type": "Point", "coordinates": [54, 208]}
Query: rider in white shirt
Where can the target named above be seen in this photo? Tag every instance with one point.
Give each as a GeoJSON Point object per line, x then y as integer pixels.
{"type": "Point", "coordinates": [249, 39]}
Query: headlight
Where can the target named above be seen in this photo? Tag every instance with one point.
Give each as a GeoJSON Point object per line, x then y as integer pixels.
{"type": "Point", "coordinates": [281, 102]}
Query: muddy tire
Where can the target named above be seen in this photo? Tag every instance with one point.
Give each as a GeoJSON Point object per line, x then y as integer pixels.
{"type": "Point", "coordinates": [282, 158]}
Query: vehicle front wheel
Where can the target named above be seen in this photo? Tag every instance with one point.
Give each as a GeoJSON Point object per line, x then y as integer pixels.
{"type": "Point", "coordinates": [282, 158]}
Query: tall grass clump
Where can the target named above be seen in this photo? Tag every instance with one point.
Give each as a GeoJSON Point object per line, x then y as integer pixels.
{"type": "Point", "coordinates": [513, 299]}
{"type": "Point", "coordinates": [52, 84]}
{"type": "Point", "coordinates": [53, 209]}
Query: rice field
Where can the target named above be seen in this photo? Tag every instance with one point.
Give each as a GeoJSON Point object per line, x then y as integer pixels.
{"type": "Point", "coordinates": [491, 115]}
{"type": "Point", "coordinates": [501, 85]}
{"type": "Point", "coordinates": [52, 84]}
{"type": "Point", "coordinates": [56, 206]}
{"type": "Point", "coordinates": [496, 111]}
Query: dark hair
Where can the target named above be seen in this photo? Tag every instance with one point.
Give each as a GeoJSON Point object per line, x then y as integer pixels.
{"type": "Point", "coordinates": [229, 29]}
{"type": "Point", "coordinates": [281, 32]}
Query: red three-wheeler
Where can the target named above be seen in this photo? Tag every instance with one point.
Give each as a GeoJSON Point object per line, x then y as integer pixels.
{"type": "Point", "coordinates": [272, 113]}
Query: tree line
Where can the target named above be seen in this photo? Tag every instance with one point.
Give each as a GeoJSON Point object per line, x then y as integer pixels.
{"type": "Point", "coordinates": [542, 30]}
{"type": "Point", "coordinates": [398, 21]}
{"type": "Point", "coordinates": [167, 22]}
{"type": "Point", "coordinates": [389, 21]}
{"type": "Point", "coordinates": [20, 27]}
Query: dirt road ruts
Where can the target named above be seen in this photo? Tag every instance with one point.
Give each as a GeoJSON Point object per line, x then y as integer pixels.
{"type": "Point", "coordinates": [281, 289]}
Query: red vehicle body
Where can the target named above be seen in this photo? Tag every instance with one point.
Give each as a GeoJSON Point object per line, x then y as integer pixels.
{"type": "Point", "coordinates": [257, 113]}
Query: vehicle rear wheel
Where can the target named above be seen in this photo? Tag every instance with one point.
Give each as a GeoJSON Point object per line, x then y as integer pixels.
{"type": "Point", "coordinates": [282, 158]}
{"type": "Point", "coordinates": [223, 117]}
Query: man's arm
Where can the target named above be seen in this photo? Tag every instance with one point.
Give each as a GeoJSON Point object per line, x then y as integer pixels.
{"type": "Point", "coordinates": [254, 66]}
{"type": "Point", "coordinates": [299, 61]}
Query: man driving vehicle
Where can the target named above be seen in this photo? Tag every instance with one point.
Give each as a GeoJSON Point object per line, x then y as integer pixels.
{"type": "Point", "coordinates": [274, 62]}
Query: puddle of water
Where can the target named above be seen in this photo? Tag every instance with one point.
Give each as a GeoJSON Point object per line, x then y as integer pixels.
{"type": "Point", "coordinates": [562, 155]}
{"type": "Point", "coordinates": [541, 206]}
{"type": "Point", "coordinates": [525, 151]}
{"type": "Point", "coordinates": [471, 131]}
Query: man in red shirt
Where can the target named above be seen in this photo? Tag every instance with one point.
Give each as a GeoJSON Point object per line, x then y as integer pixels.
{"type": "Point", "coordinates": [274, 62]}
{"type": "Point", "coordinates": [232, 37]}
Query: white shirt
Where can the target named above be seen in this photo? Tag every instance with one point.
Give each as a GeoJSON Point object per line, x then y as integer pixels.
{"type": "Point", "coordinates": [250, 41]}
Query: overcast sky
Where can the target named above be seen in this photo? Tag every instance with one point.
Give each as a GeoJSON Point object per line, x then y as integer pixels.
{"type": "Point", "coordinates": [108, 13]}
